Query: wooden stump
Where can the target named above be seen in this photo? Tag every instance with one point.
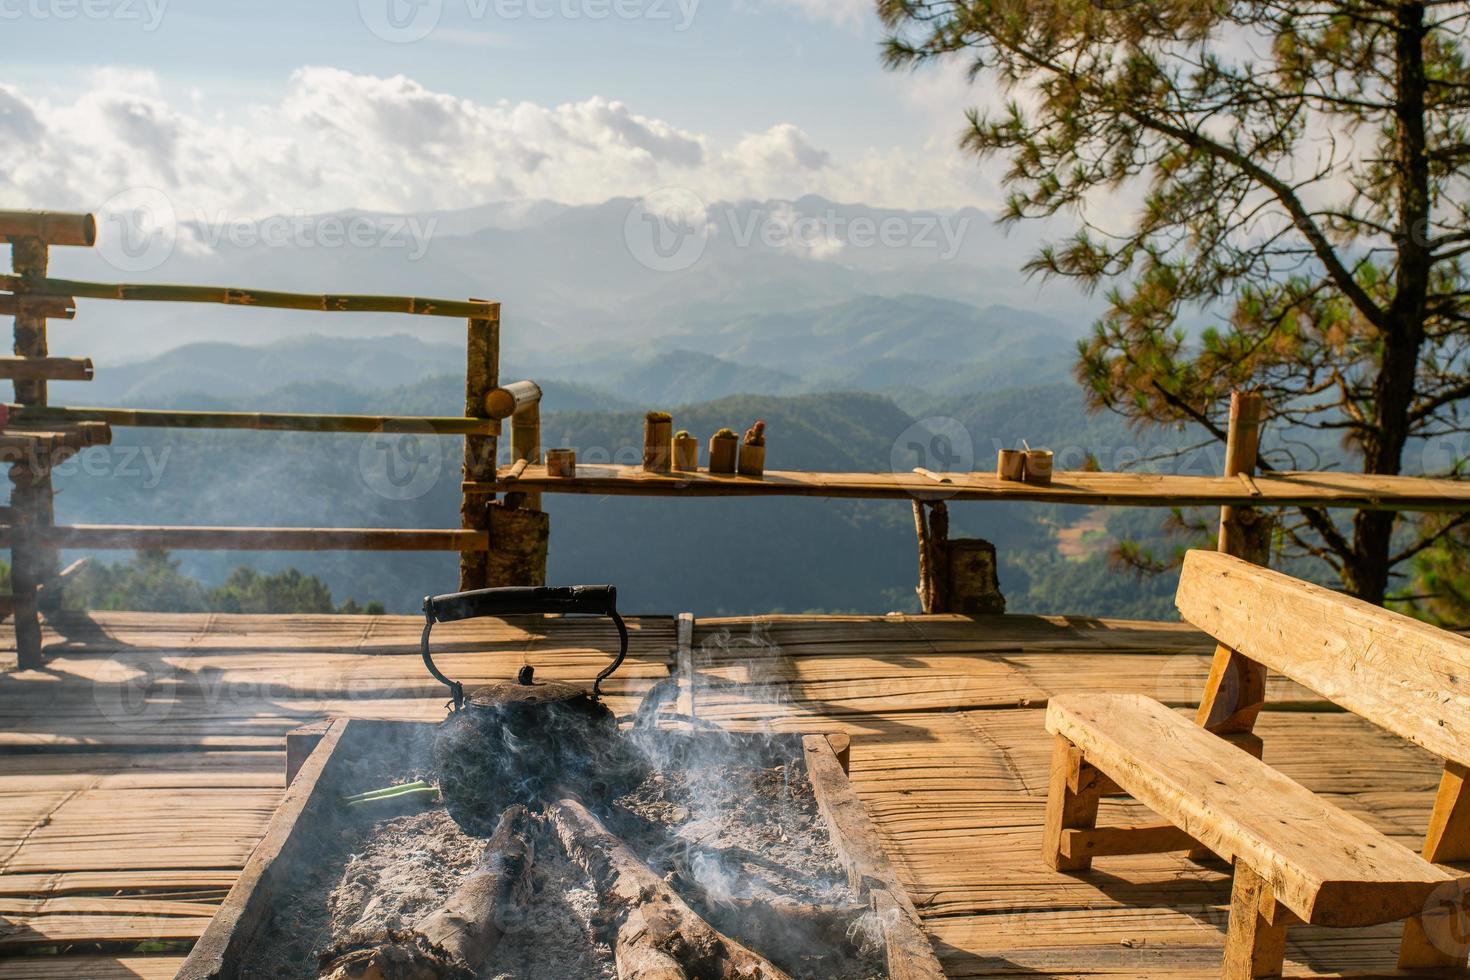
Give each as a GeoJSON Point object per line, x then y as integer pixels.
{"type": "Point", "coordinates": [519, 540]}
{"type": "Point", "coordinates": [482, 372]}
{"type": "Point", "coordinates": [974, 585]}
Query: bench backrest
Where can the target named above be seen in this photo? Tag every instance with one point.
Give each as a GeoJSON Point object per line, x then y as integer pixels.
{"type": "Point", "coordinates": [1405, 676]}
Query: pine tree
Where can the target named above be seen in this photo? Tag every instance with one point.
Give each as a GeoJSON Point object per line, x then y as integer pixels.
{"type": "Point", "coordinates": [1302, 174]}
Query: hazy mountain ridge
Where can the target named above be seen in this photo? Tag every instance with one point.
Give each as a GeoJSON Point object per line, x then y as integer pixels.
{"type": "Point", "coordinates": [569, 278]}
{"type": "Point", "coordinates": [870, 343]}
{"type": "Point", "coordinates": [707, 555]}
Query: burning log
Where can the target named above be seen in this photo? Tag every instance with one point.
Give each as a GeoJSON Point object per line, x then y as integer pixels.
{"type": "Point", "coordinates": [795, 927]}
{"type": "Point", "coordinates": [659, 937]}
{"type": "Point", "coordinates": [450, 942]}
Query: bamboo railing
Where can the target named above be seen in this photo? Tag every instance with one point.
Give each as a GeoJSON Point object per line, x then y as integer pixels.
{"type": "Point", "coordinates": [39, 435]}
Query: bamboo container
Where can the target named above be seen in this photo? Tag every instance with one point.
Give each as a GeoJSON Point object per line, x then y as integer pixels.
{"type": "Point", "coordinates": [1038, 466]}
{"type": "Point", "coordinates": [686, 452]}
{"type": "Point", "coordinates": [1010, 464]}
{"type": "Point", "coordinates": [561, 462]}
{"type": "Point", "coordinates": [724, 448]}
{"type": "Point", "coordinates": [753, 451]}
{"type": "Point", "coordinates": [753, 461]}
{"type": "Point", "coordinates": [658, 439]}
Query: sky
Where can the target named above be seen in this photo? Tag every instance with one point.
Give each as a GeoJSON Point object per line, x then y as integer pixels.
{"type": "Point", "coordinates": [251, 107]}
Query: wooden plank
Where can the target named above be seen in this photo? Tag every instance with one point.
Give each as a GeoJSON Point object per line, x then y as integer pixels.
{"type": "Point", "coordinates": [235, 924]}
{"type": "Point", "coordinates": [910, 957]}
{"type": "Point", "coordinates": [1399, 673]}
{"type": "Point", "coordinates": [1325, 865]}
{"type": "Point", "coordinates": [90, 967]}
{"type": "Point", "coordinates": [1331, 490]}
{"type": "Point", "coordinates": [44, 368]}
{"type": "Point", "coordinates": [49, 307]}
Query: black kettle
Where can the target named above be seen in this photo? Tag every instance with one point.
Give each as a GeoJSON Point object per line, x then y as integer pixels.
{"type": "Point", "coordinates": [517, 741]}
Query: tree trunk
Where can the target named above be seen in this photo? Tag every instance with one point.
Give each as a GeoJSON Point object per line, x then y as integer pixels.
{"type": "Point", "coordinates": [1366, 570]}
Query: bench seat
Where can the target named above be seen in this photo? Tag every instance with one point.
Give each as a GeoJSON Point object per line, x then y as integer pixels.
{"type": "Point", "coordinates": [1325, 866]}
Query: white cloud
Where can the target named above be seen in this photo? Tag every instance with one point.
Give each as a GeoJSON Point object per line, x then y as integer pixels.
{"type": "Point", "coordinates": [339, 140]}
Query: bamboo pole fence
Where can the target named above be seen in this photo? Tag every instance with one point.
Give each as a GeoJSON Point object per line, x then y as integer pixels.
{"type": "Point", "coordinates": [39, 434]}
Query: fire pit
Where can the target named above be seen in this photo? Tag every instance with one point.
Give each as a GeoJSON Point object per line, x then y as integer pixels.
{"type": "Point", "coordinates": [563, 846]}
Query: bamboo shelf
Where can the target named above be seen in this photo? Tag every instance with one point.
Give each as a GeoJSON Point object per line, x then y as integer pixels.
{"type": "Point", "coordinates": [1333, 490]}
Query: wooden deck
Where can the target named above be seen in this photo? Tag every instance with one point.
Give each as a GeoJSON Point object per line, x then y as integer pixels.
{"type": "Point", "coordinates": [138, 769]}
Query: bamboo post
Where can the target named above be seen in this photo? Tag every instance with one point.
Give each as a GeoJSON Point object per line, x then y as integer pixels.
{"type": "Point", "coordinates": [512, 399]}
{"type": "Point", "coordinates": [1236, 689]}
{"type": "Point", "coordinates": [525, 441]}
{"type": "Point", "coordinates": [32, 496]}
{"type": "Point", "coordinates": [926, 559]}
{"type": "Point", "coordinates": [482, 376]}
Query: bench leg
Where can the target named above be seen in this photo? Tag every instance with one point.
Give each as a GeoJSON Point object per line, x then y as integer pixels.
{"type": "Point", "coordinates": [1255, 943]}
{"type": "Point", "coordinates": [1435, 943]}
{"type": "Point", "coordinates": [1440, 940]}
{"type": "Point", "coordinates": [1071, 803]}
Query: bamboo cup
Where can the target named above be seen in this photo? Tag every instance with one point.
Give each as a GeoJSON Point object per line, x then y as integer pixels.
{"type": "Point", "coordinates": [658, 437]}
{"type": "Point", "coordinates": [1010, 464]}
{"type": "Point", "coordinates": [1038, 466]}
{"type": "Point", "coordinates": [561, 462]}
{"type": "Point", "coordinates": [686, 453]}
{"type": "Point", "coordinates": [724, 448]}
{"type": "Point", "coordinates": [752, 460]}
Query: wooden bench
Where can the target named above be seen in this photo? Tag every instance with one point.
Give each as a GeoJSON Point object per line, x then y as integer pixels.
{"type": "Point", "coordinates": [1297, 858]}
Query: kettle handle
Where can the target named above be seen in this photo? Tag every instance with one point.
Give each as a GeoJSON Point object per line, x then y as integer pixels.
{"type": "Point", "coordinates": [595, 600]}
